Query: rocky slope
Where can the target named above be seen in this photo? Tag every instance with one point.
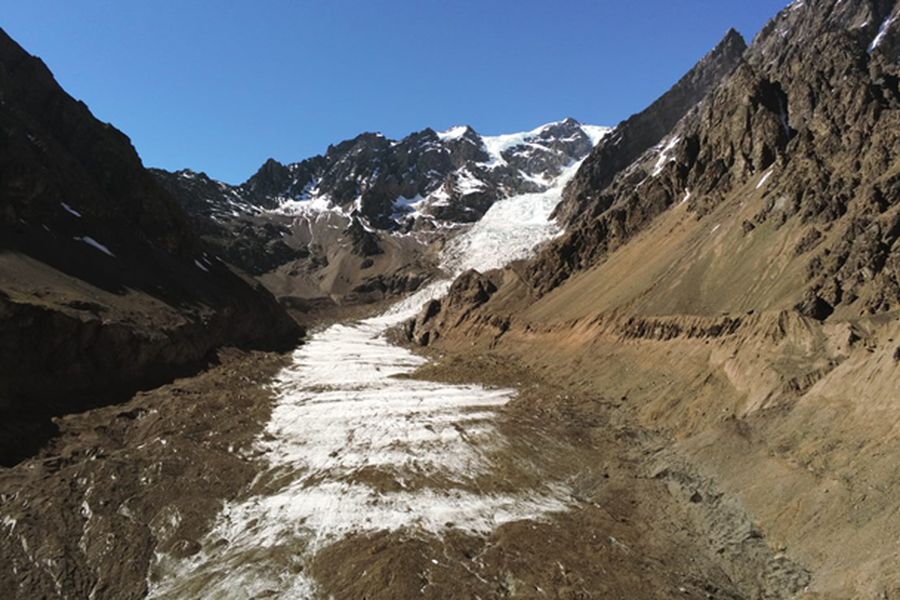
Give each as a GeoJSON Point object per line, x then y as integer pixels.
{"type": "Point", "coordinates": [364, 220]}
{"type": "Point", "coordinates": [641, 131]}
{"type": "Point", "coordinates": [99, 264]}
{"type": "Point", "coordinates": [736, 286]}
{"type": "Point", "coordinates": [809, 119]}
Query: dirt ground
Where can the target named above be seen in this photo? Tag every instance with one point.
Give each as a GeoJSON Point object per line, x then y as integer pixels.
{"type": "Point", "coordinates": [83, 518]}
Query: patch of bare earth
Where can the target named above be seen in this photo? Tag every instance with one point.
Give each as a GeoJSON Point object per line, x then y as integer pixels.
{"type": "Point", "coordinates": [84, 517]}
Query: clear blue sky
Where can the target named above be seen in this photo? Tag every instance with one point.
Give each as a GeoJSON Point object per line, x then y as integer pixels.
{"type": "Point", "coordinates": [220, 86]}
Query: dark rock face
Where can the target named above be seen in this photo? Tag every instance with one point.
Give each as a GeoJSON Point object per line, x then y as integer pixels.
{"type": "Point", "coordinates": [364, 242]}
{"type": "Point", "coordinates": [815, 110]}
{"type": "Point", "coordinates": [469, 291]}
{"type": "Point", "coordinates": [104, 286]}
{"type": "Point", "coordinates": [641, 131]}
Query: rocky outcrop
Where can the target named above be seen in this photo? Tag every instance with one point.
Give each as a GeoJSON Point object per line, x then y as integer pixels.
{"type": "Point", "coordinates": [641, 131]}
{"type": "Point", "coordinates": [254, 243]}
{"type": "Point", "coordinates": [468, 292]}
{"type": "Point", "coordinates": [811, 119]}
{"type": "Point", "coordinates": [104, 286]}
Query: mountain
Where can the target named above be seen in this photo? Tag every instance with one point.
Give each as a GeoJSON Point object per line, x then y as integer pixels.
{"type": "Point", "coordinates": [99, 264]}
{"type": "Point", "coordinates": [641, 131]}
{"type": "Point", "coordinates": [364, 220]}
{"type": "Point", "coordinates": [733, 281]}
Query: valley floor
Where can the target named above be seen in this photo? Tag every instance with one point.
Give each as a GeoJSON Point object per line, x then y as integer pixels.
{"type": "Point", "coordinates": [478, 492]}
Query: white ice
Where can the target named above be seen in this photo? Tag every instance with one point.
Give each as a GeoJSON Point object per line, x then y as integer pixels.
{"type": "Point", "coordinates": [664, 154]}
{"type": "Point", "coordinates": [454, 133]}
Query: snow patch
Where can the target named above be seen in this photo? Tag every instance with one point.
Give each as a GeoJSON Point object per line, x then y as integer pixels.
{"type": "Point", "coordinates": [70, 210]}
{"type": "Point", "coordinates": [454, 133]}
{"type": "Point", "coordinates": [882, 31]}
{"type": "Point", "coordinates": [467, 183]}
{"type": "Point", "coordinates": [407, 206]}
{"type": "Point", "coordinates": [596, 132]}
{"type": "Point", "coordinates": [292, 207]}
{"type": "Point", "coordinates": [10, 522]}
{"type": "Point", "coordinates": [764, 178]}
{"type": "Point", "coordinates": [664, 155]}
{"type": "Point", "coordinates": [94, 244]}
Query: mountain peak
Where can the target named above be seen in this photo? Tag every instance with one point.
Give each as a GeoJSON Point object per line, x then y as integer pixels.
{"type": "Point", "coordinates": [732, 37]}
{"type": "Point", "coordinates": [457, 132]}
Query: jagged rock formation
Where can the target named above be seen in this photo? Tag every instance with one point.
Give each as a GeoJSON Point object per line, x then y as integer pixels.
{"type": "Point", "coordinates": [641, 131]}
{"type": "Point", "coordinates": [397, 200]}
{"type": "Point", "coordinates": [99, 264]}
{"type": "Point", "coordinates": [427, 179]}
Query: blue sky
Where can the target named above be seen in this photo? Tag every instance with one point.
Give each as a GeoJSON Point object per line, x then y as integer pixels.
{"type": "Point", "coordinates": [220, 86]}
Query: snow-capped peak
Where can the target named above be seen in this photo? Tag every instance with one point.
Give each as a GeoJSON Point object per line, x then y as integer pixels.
{"type": "Point", "coordinates": [454, 133]}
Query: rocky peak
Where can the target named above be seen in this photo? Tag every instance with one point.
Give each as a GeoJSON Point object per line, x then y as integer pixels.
{"type": "Point", "coordinates": [464, 144]}
{"type": "Point", "coordinates": [271, 179]}
{"type": "Point", "coordinates": [643, 130]}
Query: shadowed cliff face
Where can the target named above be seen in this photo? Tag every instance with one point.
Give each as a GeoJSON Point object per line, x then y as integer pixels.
{"type": "Point", "coordinates": [104, 286]}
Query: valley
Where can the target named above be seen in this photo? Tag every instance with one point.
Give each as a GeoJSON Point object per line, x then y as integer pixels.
{"type": "Point", "coordinates": [654, 360]}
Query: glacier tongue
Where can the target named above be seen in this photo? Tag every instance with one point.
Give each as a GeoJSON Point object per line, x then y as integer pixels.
{"type": "Point", "coordinates": [341, 415]}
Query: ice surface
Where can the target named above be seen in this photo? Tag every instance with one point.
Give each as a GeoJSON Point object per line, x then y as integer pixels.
{"type": "Point", "coordinates": [509, 230]}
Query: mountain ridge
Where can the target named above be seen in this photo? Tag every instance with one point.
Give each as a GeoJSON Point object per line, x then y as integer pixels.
{"type": "Point", "coordinates": [100, 264]}
{"type": "Point", "coordinates": [366, 220]}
